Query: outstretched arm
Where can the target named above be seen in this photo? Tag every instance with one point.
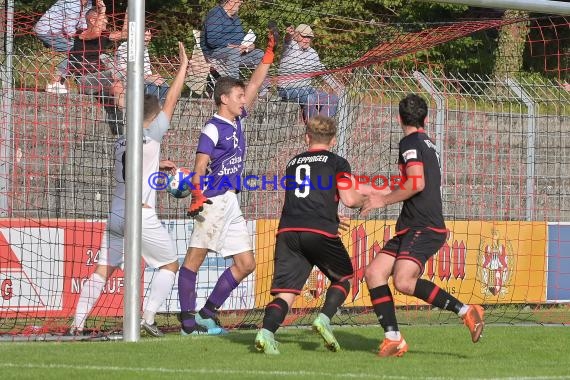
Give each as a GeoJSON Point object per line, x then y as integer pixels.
{"type": "Point", "coordinates": [349, 197]}
{"type": "Point", "coordinates": [376, 198]}
{"type": "Point", "coordinates": [174, 93]}
{"type": "Point", "coordinates": [262, 69]}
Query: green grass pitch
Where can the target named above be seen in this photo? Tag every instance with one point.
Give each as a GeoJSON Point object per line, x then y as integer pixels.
{"type": "Point", "coordinates": [436, 352]}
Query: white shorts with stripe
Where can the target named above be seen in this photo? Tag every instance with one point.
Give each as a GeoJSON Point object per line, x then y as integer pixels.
{"type": "Point", "coordinates": [157, 246]}
{"type": "Point", "coordinates": [221, 227]}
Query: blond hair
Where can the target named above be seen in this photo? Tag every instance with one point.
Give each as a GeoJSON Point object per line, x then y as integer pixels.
{"type": "Point", "coordinates": [321, 129]}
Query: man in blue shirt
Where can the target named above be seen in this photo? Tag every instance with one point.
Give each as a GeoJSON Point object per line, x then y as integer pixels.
{"type": "Point", "coordinates": [223, 39]}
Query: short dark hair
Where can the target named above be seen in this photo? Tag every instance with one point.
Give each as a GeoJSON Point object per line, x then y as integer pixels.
{"type": "Point", "coordinates": [224, 86]}
{"type": "Point", "coordinates": [151, 107]}
{"type": "Point", "coordinates": [321, 129]}
{"type": "Point", "coordinates": [413, 111]}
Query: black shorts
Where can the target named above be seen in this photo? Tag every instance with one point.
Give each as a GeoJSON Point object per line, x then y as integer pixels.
{"type": "Point", "coordinates": [415, 244]}
{"type": "Point", "coordinates": [297, 252]}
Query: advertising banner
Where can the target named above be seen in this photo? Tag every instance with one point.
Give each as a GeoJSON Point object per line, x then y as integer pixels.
{"type": "Point", "coordinates": [44, 264]}
{"type": "Point", "coordinates": [481, 262]}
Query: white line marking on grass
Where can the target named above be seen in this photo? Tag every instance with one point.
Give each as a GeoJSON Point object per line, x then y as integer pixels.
{"type": "Point", "coordinates": [206, 371]}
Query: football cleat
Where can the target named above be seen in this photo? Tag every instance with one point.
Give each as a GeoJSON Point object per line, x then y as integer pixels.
{"type": "Point", "coordinates": [265, 342]}
{"type": "Point", "coordinates": [199, 330]}
{"type": "Point", "coordinates": [212, 325]}
{"type": "Point", "coordinates": [473, 319]}
{"type": "Point", "coordinates": [322, 325]}
{"type": "Point", "coordinates": [151, 330]}
{"type": "Point", "coordinates": [393, 348]}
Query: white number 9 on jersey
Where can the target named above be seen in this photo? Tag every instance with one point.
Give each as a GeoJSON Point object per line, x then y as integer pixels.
{"type": "Point", "coordinates": [303, 181]}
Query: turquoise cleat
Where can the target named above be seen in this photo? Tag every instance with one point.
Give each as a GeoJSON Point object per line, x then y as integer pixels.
{"type": "Point", "coordinates": [265, 342]}
{"type": "Point", "coordinates": [322, 325]}
{"type": "Point", "coordinates": [211, 325]}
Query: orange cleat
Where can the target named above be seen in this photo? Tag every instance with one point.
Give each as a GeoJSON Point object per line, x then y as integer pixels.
{"type": "Point", "coordinates": [473, 319]}
{"type": "Point", "coordinates": [393, 348]}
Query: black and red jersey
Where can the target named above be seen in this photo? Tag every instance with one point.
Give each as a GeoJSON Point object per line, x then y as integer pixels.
{"type": "Point", "coordinates": [311, 193]}
{"type": "Point", "coordinates": [424, 209]}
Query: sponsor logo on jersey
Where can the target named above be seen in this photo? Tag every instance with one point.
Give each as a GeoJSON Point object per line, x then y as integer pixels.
{"type": "Point", "coordinates": [409, 155]}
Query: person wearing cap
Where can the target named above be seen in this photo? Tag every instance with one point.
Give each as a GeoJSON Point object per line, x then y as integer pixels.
{"type": "Point", "coordinates": [223, 39]}
{"type": "Point", "coordinates": [299, 63]}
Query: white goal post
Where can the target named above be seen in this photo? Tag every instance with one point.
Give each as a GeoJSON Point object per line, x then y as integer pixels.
{"type": "Point", "coordinates": [539, 6]}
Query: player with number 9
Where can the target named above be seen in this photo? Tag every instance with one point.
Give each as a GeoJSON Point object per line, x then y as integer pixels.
{"type": "Point", "coordinates": [308, 233]}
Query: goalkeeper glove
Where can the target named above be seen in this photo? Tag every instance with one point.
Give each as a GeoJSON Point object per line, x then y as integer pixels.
{"type": "Point", "coordinates": [197, 203]}
{"type": "Point", "coordinates": [272, 41]}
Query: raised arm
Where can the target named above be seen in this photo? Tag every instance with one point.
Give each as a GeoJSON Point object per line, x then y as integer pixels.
{"type": "Point", "coordinates": [176, 88]}
{"type": "Point", "coordinates": [101, 7]}
{"type": "Point", "coordinates": [375, 198]}
{"type": "Point", "coordinates": [262, 69]}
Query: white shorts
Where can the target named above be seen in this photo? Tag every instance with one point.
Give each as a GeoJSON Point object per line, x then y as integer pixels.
{"type": "Point", "coordinates": [221, 227]}
{"type": "Point", "coordinates": [157, 247]}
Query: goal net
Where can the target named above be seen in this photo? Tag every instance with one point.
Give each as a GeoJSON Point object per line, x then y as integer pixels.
{"type": "Point", "coordinates": [500, 119]}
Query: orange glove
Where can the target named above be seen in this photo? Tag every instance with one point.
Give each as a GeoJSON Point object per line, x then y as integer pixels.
{"type": "Point", "coordinates": [197, 203]}
{"type": "Point", "coordinates": [272, 41]}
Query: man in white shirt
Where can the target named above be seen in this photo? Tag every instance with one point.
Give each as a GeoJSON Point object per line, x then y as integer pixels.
{"type": "Point", "coordinates": [299, 63]}
{"type": "Point", "coordinates": [154, 83]}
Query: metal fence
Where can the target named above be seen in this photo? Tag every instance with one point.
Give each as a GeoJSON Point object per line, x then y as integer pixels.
{"type": "Point", "coordinates": [503, 145]}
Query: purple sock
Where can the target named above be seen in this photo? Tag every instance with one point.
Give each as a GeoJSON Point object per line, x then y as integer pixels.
{"type": "Point", "coordinates": [226, 283]}
{"type": "Point", "coordinates": [187, 293]}
{"type": "Point", "coordinates": [187, 296]}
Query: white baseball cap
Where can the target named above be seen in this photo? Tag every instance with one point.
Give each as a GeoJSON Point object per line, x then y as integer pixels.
{"type": "Point", "coordinates": [305, 30]}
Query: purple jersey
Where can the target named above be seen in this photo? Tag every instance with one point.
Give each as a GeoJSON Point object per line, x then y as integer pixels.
{"type": "Point", "coordinates": [224, 141]}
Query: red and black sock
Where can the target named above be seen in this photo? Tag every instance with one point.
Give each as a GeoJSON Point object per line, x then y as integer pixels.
{"type": "Point", "coordinates": [275, 313]}
{"type": "Point", "coordinates": [434, 295]}
{"type": "Point", "coordinates": [383, 304]}
{"type": "Point", "coordinates": [336, 294]}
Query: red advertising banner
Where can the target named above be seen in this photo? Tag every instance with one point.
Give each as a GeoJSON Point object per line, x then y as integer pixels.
{"type": "Point", "coordinates": [43, 265]}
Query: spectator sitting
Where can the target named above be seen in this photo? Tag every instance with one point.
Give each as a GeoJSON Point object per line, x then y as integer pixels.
{"type": "Point", "coordinates": [154, 84]}
{"type": "Point", "coordinates": [85, 56]}
{"type": "Point", "coordinates": [300, 58]}
{"type": "Point", "coordinates": [223, 39]}
{"type": "Point", "coordinates": [92, 73]}
{"type": "Point", "coordinates": [56, 29]}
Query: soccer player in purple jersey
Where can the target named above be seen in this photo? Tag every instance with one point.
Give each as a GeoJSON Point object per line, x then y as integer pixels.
{"type": "Point", "coordinates": [420, 233]}
{"type": "Point", "coordinates": [219, 224]}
